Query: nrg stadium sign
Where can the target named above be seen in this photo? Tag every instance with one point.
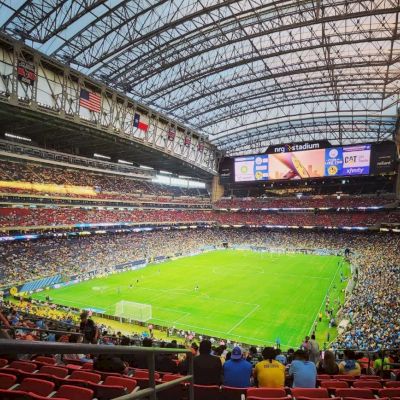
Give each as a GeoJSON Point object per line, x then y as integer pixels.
{"type": "Point", "coordinates": [290, 147]}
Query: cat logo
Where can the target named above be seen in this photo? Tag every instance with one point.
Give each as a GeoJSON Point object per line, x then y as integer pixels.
{"type": "Point", "coordinates": [332, 170]}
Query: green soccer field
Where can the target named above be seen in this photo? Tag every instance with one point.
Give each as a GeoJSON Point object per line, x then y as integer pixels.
{"type": "Point", "coordinates": [243, 295]}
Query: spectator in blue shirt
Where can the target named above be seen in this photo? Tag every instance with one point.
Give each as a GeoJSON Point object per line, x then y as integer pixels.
{"type": "Point", "coordinates": [237, 371]}
{"type": "Point", "coordinates": [304, 372]}
{"type": "Point", "coordinates": [280, 357]}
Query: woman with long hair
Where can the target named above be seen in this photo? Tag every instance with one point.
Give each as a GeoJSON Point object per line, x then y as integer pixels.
{"type": "Point", "coordinates": [328, 364]}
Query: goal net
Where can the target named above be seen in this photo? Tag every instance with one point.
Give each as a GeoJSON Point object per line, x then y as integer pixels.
{"type": "Point", "coordinates": [134, 311]}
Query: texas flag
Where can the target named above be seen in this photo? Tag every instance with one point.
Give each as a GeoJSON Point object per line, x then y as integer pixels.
{"type": "Point", "coordinates": [140, 125]}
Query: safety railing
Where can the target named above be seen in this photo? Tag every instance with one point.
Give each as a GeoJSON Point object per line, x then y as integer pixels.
{"type": "Point", "coordinates": [29, 347]}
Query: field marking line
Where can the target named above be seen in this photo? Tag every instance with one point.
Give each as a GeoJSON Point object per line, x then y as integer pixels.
{"type": "Point", "coordinates": [223, 333]}
{"type": "Point", "coordinates": [196, 294]}
{"type": "Point", "coordinates": [181, 317]}
{"type": "Point", "coordinates": [244, 318]}
{"type": "Point", "coordinates": [324, 299]}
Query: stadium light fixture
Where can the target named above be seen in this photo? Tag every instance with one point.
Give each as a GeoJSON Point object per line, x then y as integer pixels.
{"type": "Point", "coordinates": [145, 167]}
{"type": "Point", "coordinates": [165, 172]}
{"type": "Point", "coordinates": [125, 162]}
{"type": "Point", "coordinates": [97, 155]}
{"type": "Point", "coordinates": [12, 136]}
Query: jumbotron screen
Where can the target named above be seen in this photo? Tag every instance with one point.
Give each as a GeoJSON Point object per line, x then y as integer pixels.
{"type": "Point", "coordinates": [319, 163]}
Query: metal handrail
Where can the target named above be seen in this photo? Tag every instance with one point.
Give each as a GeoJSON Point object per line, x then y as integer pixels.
{"type": "Point", "coordinates": [29, 347]}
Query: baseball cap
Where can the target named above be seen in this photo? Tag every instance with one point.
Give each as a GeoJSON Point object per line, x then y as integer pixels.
{"type": "Point", "coordinates": [236, 353]}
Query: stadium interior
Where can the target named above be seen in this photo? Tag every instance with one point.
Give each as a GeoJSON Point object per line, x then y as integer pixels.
{"type": "Point", "coordinates": [199, 200]}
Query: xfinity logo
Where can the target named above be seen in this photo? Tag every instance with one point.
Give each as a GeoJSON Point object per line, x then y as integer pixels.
{"type": "Point", "coordinates": [296, 147]}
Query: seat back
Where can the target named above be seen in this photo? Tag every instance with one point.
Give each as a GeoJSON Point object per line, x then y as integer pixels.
{"type": "Point", "coordinates": [46, 360]}
{"type": "Point", "coordinates": [6, 380]}
{"type": "Point", "coordinates": [86, 376]}
{"type": "Point", "coordinates": [14, 395]}
{"type": "Point", "coordinates": [372, 377]}
{"type": "Point", "coordinates": [232, 393]}
{"type": "Point", "coordinates": [24, 366]}
{"type": "Point", "coordinates": [205, 392]}
{"type": "Point", "coordinates": [107, 392]}
{"type": "Point", "coordinates": [315, 393]}
{"type": "Point", "coordinates": [53, 370]}
{"type": "Point", "coordinates": [266, 392]}
{"type": "Point", "coordinates": [323, 377]}
{"type": "Point", "coordinates": [266, 398]}
{"type": "Point", "coordinates": [355, 392]}
{"type": "Point", "coordinates": [334, 384]}
{"type": "Point", "coordinates": [37, 386]}
{"type": "Point", "coordinates": [3, 362]}
{"type": "Point", "coordinates": [170, 377]}
{"type": "Point", "coordinates": [145, 374]}
{"type": "Point", "coordinates": [127, 383]}
{"type": "Point", "coordinates": [74, 392]}
{"type": "Point", "coordinates": [389, 392]}
{"type": "Point", "coordinates": [367, 383]}
{"type": "Point", "coordinates": [392, 384]}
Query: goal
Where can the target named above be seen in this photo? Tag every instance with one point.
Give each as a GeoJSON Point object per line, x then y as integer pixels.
{"type": "Point", "coordinates": [134, 311]}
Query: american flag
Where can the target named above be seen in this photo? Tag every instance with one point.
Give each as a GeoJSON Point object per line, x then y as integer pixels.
{"type": "Point", "coordinates": [90, 100]}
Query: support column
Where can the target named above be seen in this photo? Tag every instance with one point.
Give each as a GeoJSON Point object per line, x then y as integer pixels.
{"type": "Point", "coordinates": [217, 190]}
{"type": "Point", "coordinates": [397, 141]}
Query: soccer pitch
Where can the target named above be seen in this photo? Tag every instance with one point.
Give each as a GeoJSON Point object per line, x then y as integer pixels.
{"type": "Point", "coordinates": [242, 295]}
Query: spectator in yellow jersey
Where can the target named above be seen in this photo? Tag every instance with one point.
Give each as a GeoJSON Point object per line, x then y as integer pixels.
{"type": "Point", "coordinates": [269, 372]}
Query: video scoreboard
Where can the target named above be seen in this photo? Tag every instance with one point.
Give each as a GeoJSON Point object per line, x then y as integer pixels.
{"type": "Point", "coordinates": [311, 160]}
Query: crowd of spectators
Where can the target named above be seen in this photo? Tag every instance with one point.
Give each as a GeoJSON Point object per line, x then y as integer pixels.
{"type": "Point", "coordinates": [225, 364]}
{"type": "Point", "coordinates": [372, 310]}
{"type": "Point", "coordinates": [24, 217]}
{"type": "Point", "coordinates": [306, 202]}
{"type": "Point", "coordinates": [105, 185]}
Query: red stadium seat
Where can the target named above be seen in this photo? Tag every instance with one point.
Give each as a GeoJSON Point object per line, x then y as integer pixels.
{"type": "Point", "coordinates": [371, 377]}
{"type": "Point", "coordinates": [205, 392]}
{"type": "Point", "coordinates": [275, 393]}
{"type": "Point", "coordinates": [232, 393]}
{"type": "Point", "coordinates": [24, 366]}
{"type": "Point", "coordinates": [6, 381]}
{"type": "Point", "coordinates": [128, 383]}
{"type": "Point", "coordinates": [334, 384]}
{"type": "Point", "coordinates": [367, 383]}
{"type": "Point", "coordinates": [389, 392]}
{"type": "Point", "coordinates": [392, 384]}
{"type": "Point", "coordinates": [37, 386]}
{"type": "Point", "coordinates": [171, 377]}
{"type": "Point", "coordinates": [267, 398]}
{"type": "Point", "coordinates": [3, 362]}
{"type": "Point", "coordinates": [358, 398]}
{"type": "Point", "coordinates": [317, 393]}
{"type": "Point", "coordinates": [45, 360]}
{"type": "Point", "coordinates": [345, 377]}
{"type": "Point", "coordinates": [85, 376]}
{"type": "Point", "coordinates": [354, 392]}
{"type": "Point", "coordinates": [321, 377]}
{"type": "Point", "coordinates": [54, 370]}
{"type": "Point", "coordinates": [74, 393]}
{"type": "Point", "coordinates": [145, 374]}
{"type": "Point", "coordinates": [106, 392]}
{"type": "Point", "coordinates": [322, 398]}
{"type": "Point", "coordinates": [14, 395]}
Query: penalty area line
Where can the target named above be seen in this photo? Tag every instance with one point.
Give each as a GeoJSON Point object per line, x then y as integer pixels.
{"type": "Point", "coordinates": [244, 318]}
